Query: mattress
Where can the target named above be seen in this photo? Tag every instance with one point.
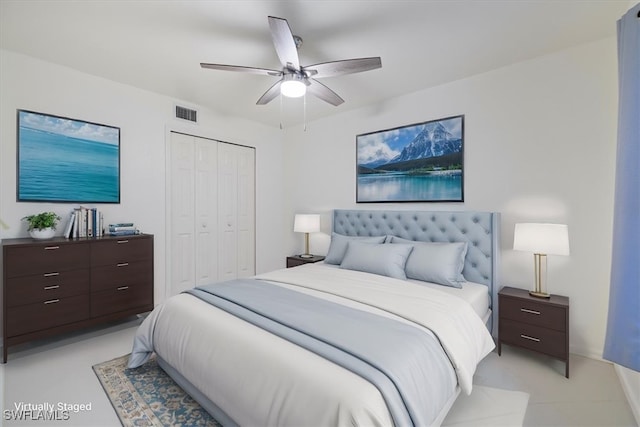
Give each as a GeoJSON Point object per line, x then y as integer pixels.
{"type": "Point", "coordinates": [256, 378]}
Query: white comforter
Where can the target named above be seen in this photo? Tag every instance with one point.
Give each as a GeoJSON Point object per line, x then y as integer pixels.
{"type": "Point", "coordinates": [259, 379]}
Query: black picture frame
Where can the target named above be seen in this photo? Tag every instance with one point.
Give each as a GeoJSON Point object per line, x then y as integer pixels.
{"type": "Point", "coordinates": [420, 162]}
{"type": "Point", "coordinates": [66, 160]}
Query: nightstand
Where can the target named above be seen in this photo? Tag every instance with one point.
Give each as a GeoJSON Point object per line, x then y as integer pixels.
{"type": "Point", "coordinates": [296, 260]}
{"type": "Point", "coordinates": [538, 324]}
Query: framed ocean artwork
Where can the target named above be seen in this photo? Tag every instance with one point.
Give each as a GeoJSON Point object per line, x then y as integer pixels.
{"type": "Point", "coordinates": [422, 162]}
{"type": "Point", "coordinates": [66, 160]}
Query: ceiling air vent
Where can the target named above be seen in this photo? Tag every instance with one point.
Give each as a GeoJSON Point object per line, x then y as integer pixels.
{"type": "Point", "coordinates": [186, 114]}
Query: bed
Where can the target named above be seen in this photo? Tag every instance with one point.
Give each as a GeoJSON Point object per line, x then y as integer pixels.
{"type": "Point", "coordinates": [346, 342]}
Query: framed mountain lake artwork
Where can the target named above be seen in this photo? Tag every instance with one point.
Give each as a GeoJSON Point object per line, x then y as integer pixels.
{"type": "Point", "coordinates": [66, 160]}
{"type": "Point", "coordinates": [422, 162]}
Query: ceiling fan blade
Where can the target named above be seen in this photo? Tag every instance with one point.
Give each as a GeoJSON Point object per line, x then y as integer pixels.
{"type": "Point", "coordinates": [347, 66]}
{"type": "Point", "coordinates": [270, 94]}
{"type": "Point", "coordinates": [284, 43]}
{"type": "Point", "coordinates": [251, 70]}
{"type": "Point", "coordinates": [324, 93]}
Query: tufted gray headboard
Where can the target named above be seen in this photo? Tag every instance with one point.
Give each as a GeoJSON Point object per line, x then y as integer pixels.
{"type": "Point", "coordinates": [480, 229]}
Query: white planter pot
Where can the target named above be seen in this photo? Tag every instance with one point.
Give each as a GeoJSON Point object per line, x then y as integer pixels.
{"type": "Point", "coordinates": [46, 233]}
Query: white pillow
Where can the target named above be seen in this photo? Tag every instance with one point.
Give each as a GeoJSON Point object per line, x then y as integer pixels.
{"type": "Point", "coordinates": [338, 246]}
{"type": "Point", "coordinates": [435, 262]}
{"type": "Point", "coordinates": [385, 260]}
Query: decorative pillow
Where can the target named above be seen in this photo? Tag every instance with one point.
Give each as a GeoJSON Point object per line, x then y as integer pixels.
{"type": "Point", "coordinates": [385, 260]}
{"type": "Point", "coordinates": [435, 262]}
{"type": "Point", "coordinates": [338, 246]}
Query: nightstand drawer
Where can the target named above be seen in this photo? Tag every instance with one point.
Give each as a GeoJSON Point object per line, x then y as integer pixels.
{"type": "Point", "coordinates": [533, 313]}
{"type": "Point", "coordinates": [532, 337]}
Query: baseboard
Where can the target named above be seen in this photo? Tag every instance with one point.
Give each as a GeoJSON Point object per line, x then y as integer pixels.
{"type": "Point", "coordinates": [627, 379]}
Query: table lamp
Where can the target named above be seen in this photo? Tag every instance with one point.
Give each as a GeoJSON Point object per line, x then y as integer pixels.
{"type": "Point", "coordinates": [542, 239]}
{"type": "Point", "coordinates": [306, 223]}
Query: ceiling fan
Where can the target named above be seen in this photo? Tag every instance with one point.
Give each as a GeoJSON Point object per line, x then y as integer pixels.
{"type": "Point", "coordinates": [296, 79]}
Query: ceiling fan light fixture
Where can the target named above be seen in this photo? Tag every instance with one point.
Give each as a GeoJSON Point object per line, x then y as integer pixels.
{"type": "Point", "coordinates": [293, 86]}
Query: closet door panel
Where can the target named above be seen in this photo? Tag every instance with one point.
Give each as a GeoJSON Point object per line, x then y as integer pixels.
{"type": "Point", "coordinates": [246, 212]}
{"type": "Point", "coordinates": [206, 211]}
{"type": "Point", "coordinates": [227, 210]}
{"type": "Point", "coordinates": [182, 219]}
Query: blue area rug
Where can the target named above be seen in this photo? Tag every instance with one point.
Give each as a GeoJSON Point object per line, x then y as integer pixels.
{"type": "Point", "coordinates": [147, 396]}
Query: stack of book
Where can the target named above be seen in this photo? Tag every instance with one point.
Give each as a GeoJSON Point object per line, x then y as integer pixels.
{"type": "Point", "coordinates": [123, 229]}
{"type": "Point", "coordinates": [84, 222]}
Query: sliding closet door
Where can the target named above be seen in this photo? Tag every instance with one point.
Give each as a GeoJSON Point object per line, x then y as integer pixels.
{"type": "Point", "coordinates": [236, 208]}
{"type": "Point", "coordinates": [194, 212]}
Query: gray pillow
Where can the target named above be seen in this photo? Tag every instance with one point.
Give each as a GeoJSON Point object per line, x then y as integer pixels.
{"type": "Point", "coordinates": [435, 262]}
{"type": "Point", "coordinates": [385, 260]}
{"type": "Point", "coordinates": [338, 246]}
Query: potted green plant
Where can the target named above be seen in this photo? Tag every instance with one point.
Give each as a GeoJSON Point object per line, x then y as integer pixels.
{"type": "Point", "coordinates": [42, 225]}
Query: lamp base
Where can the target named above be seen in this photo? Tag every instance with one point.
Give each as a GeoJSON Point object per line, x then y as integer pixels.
{"type": "Point", "coordinates": [305, 256]}
{"type": "Point", "coordinates": [539, 294]}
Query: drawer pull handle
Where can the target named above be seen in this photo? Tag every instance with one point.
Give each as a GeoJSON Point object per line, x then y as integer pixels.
{"type": "Point", "coordinates": [123, 241]}
{"type": "Point", "coordinates": [527, 337]}
{"type": "Point", "coordinates": [526, 310]}
{"type": "Point", "coordinates": [48, 288]}
{"type": "Point", "coordinates": [51, 274]}
{"type": "Point", "coordinates": [122, 264]}
{"type": "Point", "coordinates": [51, 248]}
{"type": "Point", "coordinates": [123, 288]}
{"type": "Point", "coordinates": [52, 301]}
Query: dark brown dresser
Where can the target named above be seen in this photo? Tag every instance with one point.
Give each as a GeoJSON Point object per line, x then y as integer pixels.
{"type": "Point", "coordinates": [538, 324]}
{"type": "Point", "coordinates": [59, 285]}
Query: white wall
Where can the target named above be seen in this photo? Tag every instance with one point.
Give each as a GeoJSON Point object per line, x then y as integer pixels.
{"type": "Point", "coordinates": [144, 119]}
{"type": "Point", "coordinates": [540, 140]}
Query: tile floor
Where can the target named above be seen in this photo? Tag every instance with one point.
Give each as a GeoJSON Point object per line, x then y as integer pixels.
{"type": "Point", "coordinates": [60, 371]}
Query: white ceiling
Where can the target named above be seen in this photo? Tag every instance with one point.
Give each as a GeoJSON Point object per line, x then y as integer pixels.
{"type": "Point", "coordinates": [157, 45]}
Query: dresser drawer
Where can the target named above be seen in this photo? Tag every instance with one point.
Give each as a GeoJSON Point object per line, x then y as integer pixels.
{"type": "Point", "coordinates": [121, 299]}
{"type": "Point", "coordinates": [533, 313]}
{"type": "Point", "coordinates": [121, 250]}
{"type": "Point", "coordinates": [533, 337]}
{"type": "Point", "coordinates": [122, 274]}
{"type": "Point", "coordinates": [47, 258]}
{"type": "Point", "coordinates": [44, 287]}
{"type": "Point", "coordinates": [44, 315]}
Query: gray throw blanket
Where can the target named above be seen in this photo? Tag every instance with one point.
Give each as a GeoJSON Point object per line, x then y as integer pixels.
{"type": "Point", "coordinates": [405, 363]}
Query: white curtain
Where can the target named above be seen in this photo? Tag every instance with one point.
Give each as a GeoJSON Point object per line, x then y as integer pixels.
{"type": "Point", "coordinates": [622, 344]}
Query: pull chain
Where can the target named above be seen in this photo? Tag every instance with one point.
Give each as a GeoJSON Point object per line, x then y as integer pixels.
{"type": "Point", "coordinates": [280, 111]}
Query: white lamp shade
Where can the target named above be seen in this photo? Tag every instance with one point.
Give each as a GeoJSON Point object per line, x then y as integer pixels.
{"type": "Point", "coordinates": [541, 238]}
{"type": "Point", "coordinates": [306, 223]}
{"type": "Point", "coordinates": [293, 88]}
